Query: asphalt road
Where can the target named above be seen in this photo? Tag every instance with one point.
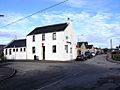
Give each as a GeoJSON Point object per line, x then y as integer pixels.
{"type": "Point", "coordinates": [93, 74]}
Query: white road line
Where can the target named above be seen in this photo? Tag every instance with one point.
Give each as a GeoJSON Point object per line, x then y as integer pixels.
{"type": "Point", "coordinates": [58, 81]}
{"type": "Point", "coordinates": [50, 84]}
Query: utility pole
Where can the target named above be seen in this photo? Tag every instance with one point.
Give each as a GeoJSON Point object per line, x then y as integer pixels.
{"type": "Point", "coordinates": [111, 44]}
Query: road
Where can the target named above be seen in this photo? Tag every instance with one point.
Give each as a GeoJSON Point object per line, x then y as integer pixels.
{"type": "Point", "coordinates": [93, 74]}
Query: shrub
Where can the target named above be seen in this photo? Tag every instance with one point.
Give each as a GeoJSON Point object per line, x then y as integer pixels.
{"type": "Point", "coordinates": [2, 56]}
{"type": "Point", "coordinates": [116, 57]}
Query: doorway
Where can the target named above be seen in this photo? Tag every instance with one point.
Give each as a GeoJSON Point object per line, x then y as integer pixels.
{"type": "Point", "coordinates": [43, 52]}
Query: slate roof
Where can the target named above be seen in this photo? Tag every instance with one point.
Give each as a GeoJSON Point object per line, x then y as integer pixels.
{"type": "Point", "coordinates": [17, 43]}
{"type": "Point", "coordinates": [80, 43]}
{"type": "Point", "coordinates": [49, 28]}
{"type": "Point", "coordinates": [89, 46]}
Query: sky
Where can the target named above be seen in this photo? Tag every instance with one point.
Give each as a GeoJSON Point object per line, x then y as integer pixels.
{"type": "Point", "coordinates": [94, 21]}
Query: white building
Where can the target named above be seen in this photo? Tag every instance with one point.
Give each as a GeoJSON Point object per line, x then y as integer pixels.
{"type": "Point", "coordinates": [16, 49]}
{"type": "Point", "coordinates": [52, 42]}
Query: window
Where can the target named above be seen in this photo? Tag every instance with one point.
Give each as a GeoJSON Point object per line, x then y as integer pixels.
{"type": "Point", "coordinates": [13, 50]}
{"type": "Point", "coordinates": [71, 50]}
{"type": "Point", "coordinates": [10, 51]}
{"type": "Point", "coordinates": [33, 38]}
{"type": "Point", "coordinates": [6, 51]}
{"type": "Point", "coordinates": [54, 48]}
{"type": "Point", "coordinates": [21, 49]}
{"type": "Point", "coordinates": [66, 48]}
{"type": "Point", "coordinates": [33, 49]}
{"type": "Point", "coordinates": [54, 36]}
{"type": "Point", "coordinates": [16, 49]}
{"type": "Point", "coordinates": [66, 37]}
{"type": "Point", "coordinates": [24, 49]}
{"type": "Point", "coordinates": [43, 37]}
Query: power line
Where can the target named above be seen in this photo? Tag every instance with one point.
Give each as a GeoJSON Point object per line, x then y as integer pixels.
{"type": "Point", "coordinates": [35, 13]}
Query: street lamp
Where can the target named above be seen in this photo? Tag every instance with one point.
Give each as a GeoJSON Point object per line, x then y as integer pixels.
{"type": "Point", "coordinates": [1, 15]}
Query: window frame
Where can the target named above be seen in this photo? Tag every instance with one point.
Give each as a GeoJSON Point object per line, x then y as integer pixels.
{"type": "Point", "coordinates": [33, 38]}
{"type": "Point", "coordinates": [10, 51]}
{"type": "Point", "coordinates": [71, 50]}
{"type": "Point", "coordinates": [16, 49]}
{"type": "Point", "coordinates": [43, 37]}
{"type": "Point", "coordinates": [6, 51]}
{"type": "Point", "coordinates": [54, 49]}
{"type": "Point", "coordinates": [20, 49]}
{"type": "Point", "coordinates": [33, 50]}
{"type": "Point", "coordinates": [24, 49]}
{"type": "Point", "coordinates": [66, 48]}
{"type": "Point", "coordinates": [54, 36]}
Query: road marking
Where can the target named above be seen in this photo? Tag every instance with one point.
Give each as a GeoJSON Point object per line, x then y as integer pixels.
{"type": "Point", "coordinates": [50, 84]}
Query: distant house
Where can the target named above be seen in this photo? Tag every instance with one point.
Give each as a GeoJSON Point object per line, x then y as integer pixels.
{"type": "Point", "coordinates": [90, 48]}
{"type": "Point", "coordinates": [52, 42]}
{"type": "Point", "coordinates": [1, 49]}
{"type": "Point", "coordinates": [16, 49]}
{"type": "Point", "coordinates": [83, 47]}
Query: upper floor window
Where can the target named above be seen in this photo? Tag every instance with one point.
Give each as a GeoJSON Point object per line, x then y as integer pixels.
{"type": "Point", "coordinates": [54, 48]}
{"type": "Point", "coordinates": [33, 38]}
{"type": "Point", "coordinates": [54, 36]}
{"type": "Point", "coordinates": [33, 49]}
{"type": "Point", "coordinates": [43, 37]}
{"type": "Point", "coordinates": [66, 37]}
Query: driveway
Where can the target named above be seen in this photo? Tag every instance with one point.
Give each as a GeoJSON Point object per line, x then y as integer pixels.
{"type": "Point", "coordinates": [94, 74]}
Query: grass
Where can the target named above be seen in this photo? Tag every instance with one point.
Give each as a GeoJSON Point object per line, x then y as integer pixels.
{"type": "Point", "coordinates": [116, 57]}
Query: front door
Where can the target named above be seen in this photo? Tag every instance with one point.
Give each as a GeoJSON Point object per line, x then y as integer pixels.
{"type": "Point", "coordinates": [43, 52]}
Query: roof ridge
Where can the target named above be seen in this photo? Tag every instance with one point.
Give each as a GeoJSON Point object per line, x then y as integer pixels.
{"type": "Point", "coordinates": [49, 28]}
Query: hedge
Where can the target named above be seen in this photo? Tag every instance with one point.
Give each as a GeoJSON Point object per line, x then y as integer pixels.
{"type": "Point", "coordinates": [116, 57]}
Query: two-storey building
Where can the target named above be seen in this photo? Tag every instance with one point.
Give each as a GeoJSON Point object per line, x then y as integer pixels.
{"type": "Point", "coordinates": [52, 42]}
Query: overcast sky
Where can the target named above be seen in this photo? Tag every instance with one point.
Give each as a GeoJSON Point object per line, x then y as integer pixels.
{"type": "Point", "coordinates": [95, 21]}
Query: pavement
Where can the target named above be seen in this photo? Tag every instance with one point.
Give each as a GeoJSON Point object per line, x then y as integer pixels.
{"type": "Point", "coordinates": [6, 73]}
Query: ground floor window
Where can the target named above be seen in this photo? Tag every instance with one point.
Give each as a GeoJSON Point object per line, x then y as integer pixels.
{"type": "Point", "coordinates": [33, 49]}
{"type": "Point", "coordinates": [71, 50]}
{"type": "Point", "coordinates": [16, 49]}
{"type": "Point", "coordinates": [10, 51]}
{"type": "Point", "coordinates": [24, 49]}
{"type": "Point", "coordinates": [21, 49]}
{"type": "Point", "coordinates": [6, 51]}
{"type": "Point", "coordinates": [66, 48]}
{"type": "Point", "coordinates": [54, 48]}
{"type": "Point", "coordinates": [13, 50]}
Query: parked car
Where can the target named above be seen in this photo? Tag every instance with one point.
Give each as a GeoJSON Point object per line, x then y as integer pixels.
{"type": "Point", "coordinates": [93, 54]}
{"type": "Point", "coordinates": [88, 54]}
{"type": "Point", "coordinates": [81, 57]}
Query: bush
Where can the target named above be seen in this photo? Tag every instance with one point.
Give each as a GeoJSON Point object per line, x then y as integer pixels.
{"type": "Point", "coordinates": [2, 57]}
{"type": "Point", "coordinates": [116, 57]}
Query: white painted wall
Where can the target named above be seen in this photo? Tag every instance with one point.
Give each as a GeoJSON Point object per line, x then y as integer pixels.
{"type": "Point", "coordinates": [15, 55]}
{"type": "Point", "coordinates": [60, 43]}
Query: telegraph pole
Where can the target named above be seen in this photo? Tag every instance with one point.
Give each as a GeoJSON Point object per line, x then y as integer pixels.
{"type": "Point", "coordinates": [111, 44]}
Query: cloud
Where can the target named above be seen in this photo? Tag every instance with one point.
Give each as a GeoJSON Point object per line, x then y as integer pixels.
{"type": "Point", "coordinates": [97, 28]}
{"type": "Point", "coordinates": [6, 34]}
